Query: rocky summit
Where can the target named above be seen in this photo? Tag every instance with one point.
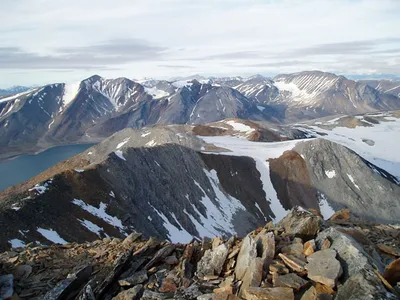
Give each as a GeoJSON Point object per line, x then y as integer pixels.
{"type": "Point", "coordinates": [301, 257]}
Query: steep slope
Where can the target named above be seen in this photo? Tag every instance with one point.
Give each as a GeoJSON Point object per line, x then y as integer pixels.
{"type": "Point", "coordinates": [13, 90]}
{"type": "Point", "coordinates": [390, 87]}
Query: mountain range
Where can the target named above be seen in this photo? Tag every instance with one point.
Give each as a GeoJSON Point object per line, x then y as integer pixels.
{"type": "Point", "coordinates": [95, 108]}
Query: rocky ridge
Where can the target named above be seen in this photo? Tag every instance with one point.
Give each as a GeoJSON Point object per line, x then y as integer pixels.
{"type": "Point", "coordinates": [301, 257]}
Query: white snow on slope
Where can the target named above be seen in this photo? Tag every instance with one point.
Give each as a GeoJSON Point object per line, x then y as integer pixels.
{"type": "Point", "coordinates": [240, 127]}
{"type": "Point", "coordinates": [384, 153]}
{"type": "Point", "coordinates": [9, 98]}
{"type": "Point", "coordinates": [353, 181]}
{"type": "Point", "coordinates": [70, 92]}
{"type": "Point", "coordinates": [123, 142]}
{"type": "Point", "coordinates": [326, 210]}
{"type": "Point", "coordinates": [16, 243]}
{"type": "Point", "coordinates": [91, 226]}
{"type": "Point", "coordinates": [41, 189]}
{"type": "Point", "coordinates": [120, 154]}
{"type": "Point", "coordinates": [52, 236]}
{"type": "Point", "coordinates": [100, 213]}
{"type": "Point", "coordinates": [156, 93]}
{"type": "Point", "coordinates": [330, 173]}
{"type": "Point", "coordinates": [175, 235]}
{"type": "Point", "coordinates": [260, 152]}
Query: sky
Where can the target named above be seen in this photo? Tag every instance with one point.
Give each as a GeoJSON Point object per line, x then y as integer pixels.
{"type": "Point", "coordinates": [47, 41]}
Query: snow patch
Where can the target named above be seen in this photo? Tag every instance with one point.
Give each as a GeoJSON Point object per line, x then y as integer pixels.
{"type": "Point", "coordinates": [52, 236]}
{"type": "Point", "coordinates": [330, 173]}
{"type": "Point", "coordinates": [324, 207]}
{"type": "Point", "coordinates": [145, 134]}
{"type": "Point", "coordinates": [41, 189]}
{"type": "Point", "coordinates": [70, 92]}
{"type": "Point", "coordinates": [16, 243]}
{"type": "Point", "coordinates": [352, 181]}
{"type": "Point", "coordinates": [123, 142]}
{"type": "Point", "coordinates": [79, 170]}
{"type": "Point", "coordinates": [100, 213]}
{"type": "Point", "coordinates": [91, 226]}
{"type": "Point", "coordinates": [156, 93]}
{"type": "Point", "coordinates": [240, 127]}
{"type": "Point", "coordinates": [119, 154]}
{"type": "Point", "coordinates": [151, 143]}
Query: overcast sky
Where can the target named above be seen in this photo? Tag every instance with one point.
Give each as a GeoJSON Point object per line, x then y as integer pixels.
{"type": "Point", "coordinates": [44, 41]}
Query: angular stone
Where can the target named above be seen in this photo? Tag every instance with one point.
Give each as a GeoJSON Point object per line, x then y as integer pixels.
{"type": "Point", "coordinates": [326, 244]}
{"type": "Point", "coordinates": [212, 261]}
{"type": "Point", "coordinates": [392, 272]}
{"type": "Point", "coordinates": [168, 285]}
{"type": "Point", "coordinates": [388, 250]}
{"type": "Point", "coordinates": [351, 254]}
{"type": "Point", "coordinates": [295, 249]}
{"type": "Point", "coordinates": [253, 275]}
{"type": "Point", "coordinates": [301, 223]}
{"type": "Point", "coordinates": [134, 279]}
{"type": "Point", "coordinates": [160, 255]}
{"type": "Point", "coordinates": [248, 252]}
{"type": "Point", "coordinates": [363, 285]}
{"type": "Point", "coordinates": [233, 253]}
{"type": "Point", "coordinates": [130, 294]}
{"type": "Point", "coordinates": [150, 295]}
{"type": "Point", "coordinates": [6, 286]}
{"type": "Point", "coordinates": [171, 260]}
{"type": "Point", "coordinates": [277, 293]}
{"type": "Point", "coordinates": [309, 247]}
{"type": "Point", "coordinates": [310, 294]}
{"type": "Point", "coordinates": [290, 280]}
{"type": "Point", "coordinates": [131, 238]}
{"type": "Point", "coordinates": [323, 267]}
{"type": "Point", "coordinates": [216, 242]}
{"type": "Point", "coordinates": [227, 289]}
{"type": "Point", "coordinates": [206, 297]}
{"type": "Point", "coordinates": [22, 272]}
{"type": "Point", "coordinates": [278, 267]}
{"type": "Point", "coordinates": [293, 262]}
{"type": "Point", "coordinates": [324, 289]}
{"type": "Point", "coordinates": [343, 214]}
{"type": "Point", "coordinates": [191, 292]}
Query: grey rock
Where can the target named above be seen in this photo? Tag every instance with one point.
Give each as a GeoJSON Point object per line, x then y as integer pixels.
{"type": "Point", "coordinates": [206, 297]}
{"type": "Point", "coordinates": [266, 246]}
{"type": "Point", "coordinates": [364, 285]}
{"type": "Point", "coordinates": [171, 260]}
{"type": "Point", "coordinates": [134, 279]}
{"type": "Point", "coordinates": [301, 223]}
{"type": "Point", "coordinates": [150, 295]}
{"type": "Point", "coordinates": [212, 261]}
{"type": "Point", "coordinates": [323, 267]}
{"type": "Point", "coordinates": [253, 275]}
{"type": "Point", "coordinates": [276, 293]}
{"type": "Point", "coordinates": [189, 293]}
{"type": "Point", "coordinates": [130, 294]}
{"type": "Point", "coordinates": [351, 254]}
{"type": "Point", "coordinates": [160, 255]}
{"type": "Point", "coordinates": [131, 238]}
{"type": "Point", "coordinates": [291, 280]}
{"type": "Point", "coordinates": [6, 286]}
{"type": "Point", "coordinates": [248, 252]}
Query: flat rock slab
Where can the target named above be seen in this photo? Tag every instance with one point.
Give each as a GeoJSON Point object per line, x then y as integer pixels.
{"type": "Point", "coordinates": [212, 261]}
{"type": "Point", "coordinates": [276, 293]}
{"type": "Point", "coordinates": [323, 267]}
{"type": "Point", "coordinates": [130, 294]}
{"type": "Point", "coordinates": [392, 272]}
{"type": "Point", "coordinates": [301, 223]}
{"type": "Point", "coordinates": [253, 275]}
{"type": "Point", "coordinates": [248, 252]}
{"type": "Point", "coordinates": [134, 279]}
{"type": "Point", "coordinates": [293, 262]}
{"type": "Point", "coordinates": [291, 280]}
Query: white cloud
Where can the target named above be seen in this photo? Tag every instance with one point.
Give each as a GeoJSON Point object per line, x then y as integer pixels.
{"type": "Point", "coordinates": [66, 40]}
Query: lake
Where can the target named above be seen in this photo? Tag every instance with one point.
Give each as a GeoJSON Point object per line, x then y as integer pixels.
{"type": "Point", "coordinates": [24, 167]}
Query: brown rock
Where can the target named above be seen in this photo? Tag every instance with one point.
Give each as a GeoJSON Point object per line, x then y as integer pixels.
{"type": "Point", "coordinates": [326, 244]}
{"type": "Point", "coordinates": [295, 249]}
{"type": "Point", "coordinates": [343, 214]}
{"type": "Point", "coordinates": [388, 250]}
{"type": "Point", "coordinates": [301, 223]}
{"type": "Point", "coordinates": [216, 242]}
{"type": "Point", "coordinates": [324, 289]}
{"type": "Point", "coordinates": [131, 294]}
{"type": "Point", "coordinates": [309, 247]}
{"type": "Point", "coordinates": [168, 285]}
{"type": "Point", "coordinates": [293, 262]}
{"type": "Point", "coordinates": [310, 294]}
{"type": "Point", "coordinates": [290, 280]}
{"type": "Point", "coordinates": [277, 293]}
{"type": "Point", "coordinates": [278, 267]}
{"type": "Point", "coordinates": [392, 272]}
{"type": "Point", "coordinates": [227, 289]}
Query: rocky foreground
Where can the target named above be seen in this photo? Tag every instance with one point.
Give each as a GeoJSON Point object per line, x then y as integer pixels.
{"type": "Point", "coordinates": [302, 257]}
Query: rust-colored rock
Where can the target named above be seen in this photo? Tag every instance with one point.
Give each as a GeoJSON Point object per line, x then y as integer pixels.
{"type": "Point", "coordinates": [392, 272]}
{"type": "Point", "coordinates": [168, 285]}
{"type": "Point", "coordinates": [277, 293]}
{"type": "Point", "coordinates": [309, 247]}
{"type": "Point", "coordinates": [343, 214]}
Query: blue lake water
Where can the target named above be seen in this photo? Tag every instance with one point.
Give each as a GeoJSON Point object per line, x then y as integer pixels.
{"type": "Point", "coordinates": [24, 167]}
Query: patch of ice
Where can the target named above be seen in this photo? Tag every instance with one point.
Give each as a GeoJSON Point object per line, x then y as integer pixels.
{"type": "Point", "coordinates": [259, 208]}
{"type": "Point", "coordinates": [324, 207]}
{"type": "Point", "coordinates": [90, 153]}
{"type": "Point", "coordinates": [13, 97]}
{"type": "Point", "coordinates": [157, 163]}
{"type": "Point", "coordinates": [119, 154]}
{"type": "Point", "coordinates": [182, 83]}
{"type": "Point", "coordinates": [15, 207]}
{"type": "Point", "coordinates": [240, 127]}
{"type": "Point", "coordinates": [79, 170]}
{"type": "Point", "coordinates": [261, 108]}
{"type": "Point", "coordinates": [100, 213]}
{"type": "Point", "coordinates": [330, 173]}
{"type": "Point", "coordinates": [41, 189]}
{"type": "Point", "coordinates": [91, 226]}
{"type": "Point", "coordinates": [156, 93]}
{"type": "Point", "coordinates": [123, 142]}
{"type": "Point", "coordinates": [16, 243]}
{"type": "Point", "coordinates": [352, 181]}
{"type": "Point", "coordinates": [52, 236]}
{"type": "Point", "coordinates": [149, 218]}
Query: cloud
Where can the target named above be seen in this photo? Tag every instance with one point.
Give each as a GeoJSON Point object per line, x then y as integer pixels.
{"type": "Point", "coordinates": [100, 56]}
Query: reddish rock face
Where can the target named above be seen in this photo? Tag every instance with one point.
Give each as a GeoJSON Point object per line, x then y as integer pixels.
{"type": "Point", "coordinates": [392, 272]}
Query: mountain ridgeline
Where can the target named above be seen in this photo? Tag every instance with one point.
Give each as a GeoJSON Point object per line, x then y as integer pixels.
{"type": "Point", "coordinates": [95, 108]}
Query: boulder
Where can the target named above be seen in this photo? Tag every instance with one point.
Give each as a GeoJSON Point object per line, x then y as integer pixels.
{"type": "Point", "coordinates": [364, 285]}
{"type": "Point", "coordinates": [323, 267]}
{"type": "Point", "coordinates": [310, 294]}
{"type": "Point", "coordinates": [290, 280]}
{"type": "Point", "coordinates": [253, 275]}
{"type": "Point", "coordinates": [130, 294]}
{"type": "Point", "coordinates": [309, 247]}
{"type": "Point", "coordinates": [131, 238]}
{"type": "Point", "coordinates": [295, 249]}
{"type": "Point", "coordinates": [276, 293]}
{"type": "Point", "coordinates": [294, 263]}
{"type": "Point", "coordinates": [350, 253]}
{"type": "Point", "coordinates": [6, 286]}
{"type": "Point", "coordinates": [150, 295]}
{"type": "Point", "coordinates": [212, 261]}
{"type": "Point", "coordinates": [134, 279]}
{"type": "Point", "coordinates": [248, 252]}
{"type": "Point", "coordinates": [301, 223]}
{"type": "Point", "coordinates": [265, 246]}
